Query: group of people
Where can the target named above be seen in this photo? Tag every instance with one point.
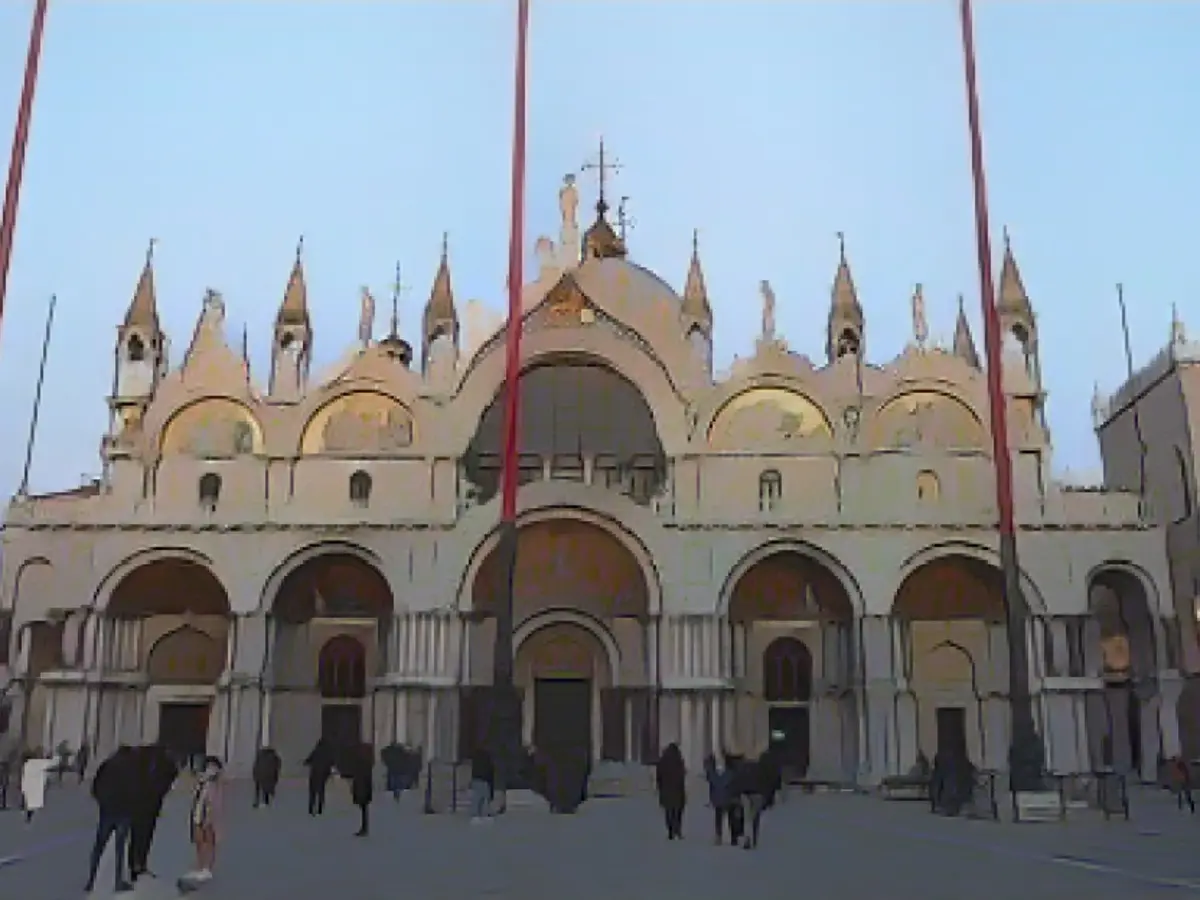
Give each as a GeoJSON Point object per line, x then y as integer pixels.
{"type": "Point", "coordinates": [354, 762]}
{"type": "Point", "coordinates": [129, 788]}
{"type": "Point", "coordinates": [35, 768]}
{"type": "Point", "coordinates": [739, 791]}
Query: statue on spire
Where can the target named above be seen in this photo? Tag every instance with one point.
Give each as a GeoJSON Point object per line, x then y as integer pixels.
{"type": "Point", "coordinates": [568, 203]}
{"type": "Point", "coordinates": [366, 317]}
{"type": "Point", "coordinates": [920, 323]}
{"type": "Point", "coordinates": [768, 312]}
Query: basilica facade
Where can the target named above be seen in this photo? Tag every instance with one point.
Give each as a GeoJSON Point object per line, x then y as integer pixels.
{"type": "Point", "coordinates": [795, 552]}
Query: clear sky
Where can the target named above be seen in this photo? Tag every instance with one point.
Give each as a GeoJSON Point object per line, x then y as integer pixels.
{"type": "Point", "coordinates": [226, 130]}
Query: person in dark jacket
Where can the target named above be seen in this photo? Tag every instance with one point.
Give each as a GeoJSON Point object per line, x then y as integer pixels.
{"type": "Point", "coordinates": [395, 759]}
{"type": "Point", "coordinates": [362, 788]}
{"type": "Point", "coordinates": [755, 782]}
{"type": "Point", "coordinates": [670, 776]}
{"type": "Point", "coordinates": [155, 772]}
{"type": "Point", "coordinates": [113, 787]}
{"type": "Point", "coordinates": [82, 758]}
{"type": "Point", "coordinates": [483, 784]}
{"type": "Point", "coordinates": [720, 797]}
{"type": "Point", "coordinates": [320, 768]}
{"type": "Point", "coordinates": [266, 775]}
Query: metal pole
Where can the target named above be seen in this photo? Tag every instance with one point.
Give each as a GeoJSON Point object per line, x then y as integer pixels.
{"type": "Point", "coordinates": [16, 164]}
{"type": "Point", "coordinates": [23, 490]}
{"type": "Point", "coordinates": [1026, 754]}
{"type": "Point", "coordinates": [1135, 403]}
{"type": "Point", "coordinates": [504, 725]}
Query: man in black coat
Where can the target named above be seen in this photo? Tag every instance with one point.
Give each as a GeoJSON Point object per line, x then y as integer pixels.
{"type": "Point", "coordinates": [114, 788]}
{"type": "Point", "coordinates": [320, 767]}
{"type": "Point", "coordinates": [156, 774]}
{"type": "Point", "coordinates": [266, 775]}
{"type": "Point", "coordinates": [362, 788]}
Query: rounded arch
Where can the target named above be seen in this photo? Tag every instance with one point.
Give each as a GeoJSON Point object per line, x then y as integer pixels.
{"type": "Point", "coordinates": [1130, 576]}
{"type": "Point", "coordinates": [582, 620]}
{"type": "Point", "coordinates": [484, 379]}
{"type": "Point", "coordinates": [609, 526]}
{"type": "Point", "coordinates": [359, 422]}
{"type": "Point", "coordinates": [165, 583]}
{"type": "Point", "coordinates": [212, 427]}
{"type": "Point", "coordinates": [787, 671]}
{"type": "Point", "coordinates": [816, 555]}
{"type": "Point", "coordinates": [113, 577]}
{"type": "Point", "coordinates": [927, 414]}
{"type": "Point", "coordinates": [305, 554]}
{"type": "Point", "coordinates": [342, 668]}
{"type": "Point", "coordinates": [767, 414]}
{"type": "Point", "coordinates": [185, 655]}
{"type": "Point", "coordinates": [960, 653]}
{"type": "Point", "coordinates": [329, 581]}
{"type": "Point", "coordinates": [1034, 600]}
{"type": "Point", "coordinates": [1121, 602]}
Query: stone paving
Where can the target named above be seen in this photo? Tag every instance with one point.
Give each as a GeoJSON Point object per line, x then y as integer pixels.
{"type": "Point", "coordinates": [823, 846]}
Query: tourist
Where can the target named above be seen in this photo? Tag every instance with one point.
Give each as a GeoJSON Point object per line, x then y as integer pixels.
{"type": "Point", "coordinates": [483, 784]}
{"type": "Point", "coordinates": [63, 752]}
{"type": "Point", "coordinates": [33, 782]}
{"type": "Point", "coordinates": [720, 797]}
{"type": "Point", "coordinates": [114, 789]}
{"type": "Point", "coordinates": [82, 758]}
{"type": "Point", "coordinates": [756, 783]}
{"type": "Point", "coordinates": [155, 772]}
{"type": "Point", "coordinates": [395, 759]}
{"type": "Point", "coordinates": [670, 778]}
{"type": "Point", "coordinates": [1181, 776]}
{"type": "Point", "coordinates": [320, 767]}
{"type": "Point", "coordinates": [265, 774]}
{"type": "Point", "coordinates": [205, 819]}
{"type": "Point", "coordinates": [362, 788]}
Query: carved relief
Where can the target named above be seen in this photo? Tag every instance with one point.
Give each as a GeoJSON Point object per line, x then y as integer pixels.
{"type": "Point", "coordinates": [767, 416]}
{"type": "Point", "coordinates": [927, 419]}
{"type": "Point", "coordinates": [566, 306]}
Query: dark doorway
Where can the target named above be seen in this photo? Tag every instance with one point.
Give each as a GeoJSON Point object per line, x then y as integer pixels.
{"type": "Point", "coordinates": [789, 737]}
{"type": "Point", "coordinates": [952, 731]}
{"type": "Point", "coordinates": [341, 724]}
{"type": "Point", "coordinates": [183, 729]}
{"type": "Point", "coordinates": [562, 715]}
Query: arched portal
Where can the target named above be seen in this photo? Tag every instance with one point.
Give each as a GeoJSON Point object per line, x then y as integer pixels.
{"type": "Point", "coordinates": [167, 619]}
{"type": "Point", "coordinates": [580, 421]}
{"type": "Point", "coordinates": [1123, 732]}
{"type": "Point", "coordinates": [579, 583]}
{"type": "Point", "coordinates": [951, 619]}
{"type": "Point", "coordinates": [791, 626]}
{"type": "Point", "coordinates": [332, 613]}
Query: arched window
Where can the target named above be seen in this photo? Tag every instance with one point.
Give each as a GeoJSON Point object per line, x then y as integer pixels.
{"type": "Point", "coordinates": [360, 488]}
{"type": "Point", "coordinates": [787, 671]}
{"type": "Point", "coordinates": [928, 487]}
{"type": "Point", "coordinates": [770, 490]}
{"type": "Point", "coordinates": [848, 343]}
{"type": "Point", "coordinates": [210, 490]}
{"type": "Point", "coordinates": [342, 669]}
{"type": "Point", "coordinates": [135, 349]}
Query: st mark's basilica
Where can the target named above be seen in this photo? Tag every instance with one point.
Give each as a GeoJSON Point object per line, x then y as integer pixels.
{"type": "Point", "coordinates": [799, 550]}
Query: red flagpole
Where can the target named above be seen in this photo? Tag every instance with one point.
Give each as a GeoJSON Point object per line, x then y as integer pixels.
{"type": "Point", "coordinates": [1026, 753]}
{"type": "Point", "coordinates": [16, 164]}
{"type": "Point", "coordinates": [503, 728]}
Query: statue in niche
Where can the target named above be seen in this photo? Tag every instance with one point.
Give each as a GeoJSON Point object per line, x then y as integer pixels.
{"type": "Point", "coordinates": [219, 436]}
{"type": "Point", "coordinates": [367, 430]}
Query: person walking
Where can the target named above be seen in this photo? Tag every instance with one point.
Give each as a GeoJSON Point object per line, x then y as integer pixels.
{"type": "Point", "coordinates": [395, 766]}
{"type": "Point", "coordinates": [82, 758]}
{"type": "Point", "coordinates": [34, 773]}
{"type": "Point", "coordinates": [155, 770]}
{"type": "Point", "coordinates": [113, 789]}
{"type": "Point", "coordinates": [670, 778]}
{"type": "Point", "coordinates": [483, 785]}
{"type": "Point", "coordinates": [205, 819]}
{"type": "Point", "coordinates": [362, 787]}
{"type": "Point", "coordinates": [265, 773]}
{"type": "Point", "coordinates": [720, 797]}
{"type": "Point", "coordinates": [320, 768]}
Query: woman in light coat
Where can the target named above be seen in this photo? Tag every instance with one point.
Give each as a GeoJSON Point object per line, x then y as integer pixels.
{"type": "Point", "coordinates": [33, 783]}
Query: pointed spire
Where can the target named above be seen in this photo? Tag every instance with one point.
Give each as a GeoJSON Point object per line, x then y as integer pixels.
{"type": "Point", "coordinates": [695, 293]}
{"type": "Point", "coordinates": [1012, 297]}
{"type": "Point", "coordinates": [964, 341]}
{"type": "Point", "coordinates": [143, 307]}
{"type": "Point", "coordinates": [246, 345]}
{"type": "Point", "coordinates": [1178, 332]}
{"type": "Point", "coordinates": [294, 308]}
{"type": "Point", "coordinates": [844, 295]}
{"type": "Point", "coordinates": [441, 296]}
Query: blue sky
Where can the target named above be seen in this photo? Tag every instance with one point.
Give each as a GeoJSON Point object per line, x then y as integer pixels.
{"type": "Point", "coordinates": [225, 130]}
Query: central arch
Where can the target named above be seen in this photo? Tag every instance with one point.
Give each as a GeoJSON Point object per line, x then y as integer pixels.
{"type": "Point", "coordinates": [331, 610]}
{"type": "Point", "coordinates": [583, 581]}
{"type": "Point", "coordinates": [791, 623]}
{"type": "Point", "coordinates": [165, 616]}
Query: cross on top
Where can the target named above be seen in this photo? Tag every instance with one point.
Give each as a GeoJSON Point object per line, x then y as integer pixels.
{"type": "Point", "coordinates": [602, 167]}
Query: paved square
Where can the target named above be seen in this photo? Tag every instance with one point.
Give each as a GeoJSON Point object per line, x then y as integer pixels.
{"type": "Point", "coordinates": [825, 846]}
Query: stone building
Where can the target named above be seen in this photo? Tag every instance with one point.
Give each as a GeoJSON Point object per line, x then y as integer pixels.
{"type": "Point", "coordinates": [1146, 431]}
{"type": "Point", "coordinates": [796, 551]}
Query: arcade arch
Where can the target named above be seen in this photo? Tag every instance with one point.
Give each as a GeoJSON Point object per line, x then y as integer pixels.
{"type": "Point", "coordinates": [791, 625]}
{"type": "Point", "coordinates": [581, 421]}
{"type": "Point", "coordinates": [331, 616]}
{"type": "Point", "coordinates": [168, 619]}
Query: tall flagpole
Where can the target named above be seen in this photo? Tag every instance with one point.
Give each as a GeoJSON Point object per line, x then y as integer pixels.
{"type": "Point", "coordinates": [1026, 754]}
{"type": "Point", "coordinates": [16, 164]}
{"type": "Point", "coordinates": [23, 490]}
{"type": "Point", "coordinates": [504, 727]}
{"type": "Point", "coordinates": [1137, 419]}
